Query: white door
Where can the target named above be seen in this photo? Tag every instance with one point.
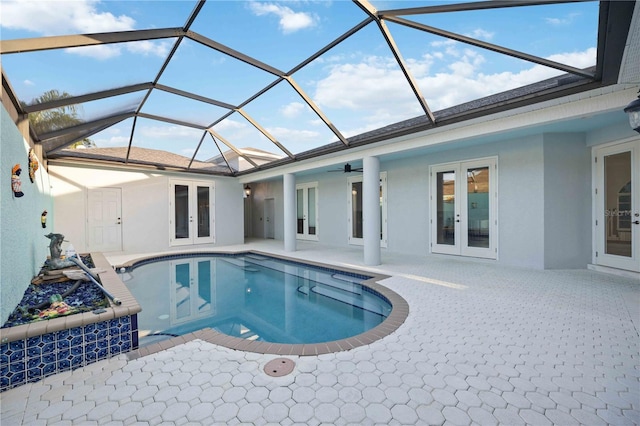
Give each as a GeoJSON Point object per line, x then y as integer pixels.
{"type": "Point", "coordinates": [307, 211]}
{"type": "Point", "coordinates": [463, 208]}
{"type": "Point", "coordinates": [191, 212]}
{"type": "Point", "coordinates": [617, 204]}
{"type": "Point", "coordinates": [269, 212]}
{"type": "Point", "coordinates": [104, 220]}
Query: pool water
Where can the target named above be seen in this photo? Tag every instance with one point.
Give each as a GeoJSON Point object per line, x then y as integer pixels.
{"type": "Point", "coordinates": [254, 297]}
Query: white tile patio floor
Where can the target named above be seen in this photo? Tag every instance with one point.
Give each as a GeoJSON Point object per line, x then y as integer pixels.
{"type": "Point", "coordinates": [481, 345]}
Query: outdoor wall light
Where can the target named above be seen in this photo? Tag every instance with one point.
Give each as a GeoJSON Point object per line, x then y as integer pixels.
{"type": "Point", "coordinates": [247, 191]}
{"type": "Point", "coordinates": [633, 109]}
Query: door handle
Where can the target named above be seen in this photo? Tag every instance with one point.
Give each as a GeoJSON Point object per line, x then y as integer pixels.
{"type": "Point", "coordinates": [637, 222]}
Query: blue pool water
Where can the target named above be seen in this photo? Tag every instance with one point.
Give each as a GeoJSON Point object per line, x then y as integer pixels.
{"type": "Point", "coordinates": [254, 297]}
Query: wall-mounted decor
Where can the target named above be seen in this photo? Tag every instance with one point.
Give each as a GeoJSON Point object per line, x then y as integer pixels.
{"type": "Point", "coordinates": [33, 165]}
{"type": "Point", "coordinates": [43, 219]}
{"type": "Point", "coordinates": [15, 181]}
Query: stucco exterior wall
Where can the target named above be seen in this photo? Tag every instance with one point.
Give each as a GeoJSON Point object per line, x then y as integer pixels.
{"type": "Point", "coordinates": [145, 206]}
{"type": "Point", "coordinates": [23, 247]}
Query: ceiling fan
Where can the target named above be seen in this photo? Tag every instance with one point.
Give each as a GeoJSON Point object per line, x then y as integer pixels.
{"type": "Point", "coordinates": [348, 169]}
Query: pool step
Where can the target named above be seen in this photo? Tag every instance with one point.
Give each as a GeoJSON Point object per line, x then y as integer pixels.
{"type": "Point", "coordinates": [341, 297]}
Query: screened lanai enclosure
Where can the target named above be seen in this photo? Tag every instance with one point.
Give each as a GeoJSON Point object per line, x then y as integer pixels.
{"type": "Point", "coordinates": [229, 88]}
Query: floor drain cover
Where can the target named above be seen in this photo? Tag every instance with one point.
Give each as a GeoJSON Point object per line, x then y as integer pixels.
{"type": "Point", "coordinates": [279, 367]}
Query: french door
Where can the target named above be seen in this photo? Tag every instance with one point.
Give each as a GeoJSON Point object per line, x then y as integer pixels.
{"type": "Point", "coordinates": [307, 211]}
{"type": "Point", "coordinates": [463, 208]}
{"type": "Point", "coordinates": [617, 206]}
{"type": "Point", "coordinates": [191, 212]}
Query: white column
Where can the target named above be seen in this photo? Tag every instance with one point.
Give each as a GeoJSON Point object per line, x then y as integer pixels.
{"type": "Point", "coordinates": [371, 210]}
{"type": "Point", "coordinates": [289, 195]}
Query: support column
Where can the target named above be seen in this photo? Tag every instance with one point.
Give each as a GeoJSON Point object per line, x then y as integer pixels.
{"type": "Point", "coordinates": [289, 195]}
{"type": "Point", "coordinates": [371, 210]}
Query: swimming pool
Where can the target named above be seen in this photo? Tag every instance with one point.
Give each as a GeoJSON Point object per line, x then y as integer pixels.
{"type": "Point", "coordinates": [253, 297]}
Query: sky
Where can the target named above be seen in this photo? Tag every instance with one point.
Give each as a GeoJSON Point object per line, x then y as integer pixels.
{"type": "Point", "coordinates": [357, 84]}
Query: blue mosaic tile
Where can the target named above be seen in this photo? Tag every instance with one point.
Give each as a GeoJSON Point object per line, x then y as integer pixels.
{"type": "Point", "coordinates": [63, 354]}
{"type": "Point", "coordinates": [16, 367]}
{"type": "Point", "coordinates": [49, 368]}
{"type": "Point", "coordinates": [77, 350]}
{"type": "Point", "coordinates": [33, 363]}
{"type": "Point", "coordinates": [62, 334]}
{"type": "Point", "coordinates": [30, 360]}
{"type": "Point", "coordinates": [34, 373]}
{"type": "Point", "coordinates": [34, 351]}
{"type": "Point", "coordinates": [34, 341]}
{"type": "Point", "coordinates": [64, 365]}
{"type": "Point", "coordinates": [49, 358]}
{"type": "Point", "coordinates": [17, 355]}
{"type": "Point", "coordinates": [17, 345]}
{"type": "Point", "coordinates": [18, 378]}
{"type": "Point", "coordinates": [77, 361]}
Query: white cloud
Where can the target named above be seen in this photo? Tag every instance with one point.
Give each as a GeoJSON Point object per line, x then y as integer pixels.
{"type": "Point", "coordinates": [282, 133]}
{"type": "Point", "coordinates": [289, 22]}
{"type": "Point", "coordinates": [49, 18]}
{"type": "Point", "coordinates": [61, 17]}
{"type": "Point", "coordinates": [375, 84]}
{"type": "Point", "coordinates": [292, 110]}
{"type": "Point", "coordinates": [481, 34]}
{"type": "Point", "coordinates": [566, 20]}
{"type": "Point", "coordinates": [28, 83]}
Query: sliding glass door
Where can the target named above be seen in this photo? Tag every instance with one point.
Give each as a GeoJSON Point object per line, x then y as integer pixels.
{"type": "Point", "coordinates": [463, 213]}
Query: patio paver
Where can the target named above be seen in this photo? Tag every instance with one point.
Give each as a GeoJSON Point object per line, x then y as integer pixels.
{"type": "Point", "coordinates": [481, 344]}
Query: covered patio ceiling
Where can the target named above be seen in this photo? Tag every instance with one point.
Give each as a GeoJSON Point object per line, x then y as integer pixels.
{"type": "Point", "coordinates": [230, 88]}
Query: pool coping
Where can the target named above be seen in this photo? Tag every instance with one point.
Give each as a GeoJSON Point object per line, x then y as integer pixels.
{"type": "Point", "coordinates": [399, 313]}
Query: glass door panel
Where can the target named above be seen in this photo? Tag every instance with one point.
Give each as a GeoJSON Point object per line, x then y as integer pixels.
{"type": "Point", "coordinates": [356, 210]}
{"type": "Point", "coordinates": [300, 210]}
{"type": "Point", "coordinates": [311, 208]}
{"type": "Point", "coordinates": [446, 207]}
{"type": "Point", "coordinates": [204, 221]}
{"type": "Point", "coordinates": [181, 211]}
{"type": "Point", "coordinates": [478, 207]}
{"type": "Point", "coordinates": [617, 203]}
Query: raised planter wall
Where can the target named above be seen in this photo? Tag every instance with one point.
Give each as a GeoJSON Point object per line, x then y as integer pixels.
{"type": "Point", "coordinates": [31, 352]}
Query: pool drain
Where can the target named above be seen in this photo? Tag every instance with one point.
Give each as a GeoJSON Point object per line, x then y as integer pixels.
{"type": "Point", "coordinates": [279, 367]}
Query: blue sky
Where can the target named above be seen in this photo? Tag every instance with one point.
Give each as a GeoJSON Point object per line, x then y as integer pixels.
{"type": "Point", "coordinates": [357, 84]}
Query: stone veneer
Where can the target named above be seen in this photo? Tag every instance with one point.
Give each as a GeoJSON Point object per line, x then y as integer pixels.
{"type": "Point", "coordinates": [30, 352]}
